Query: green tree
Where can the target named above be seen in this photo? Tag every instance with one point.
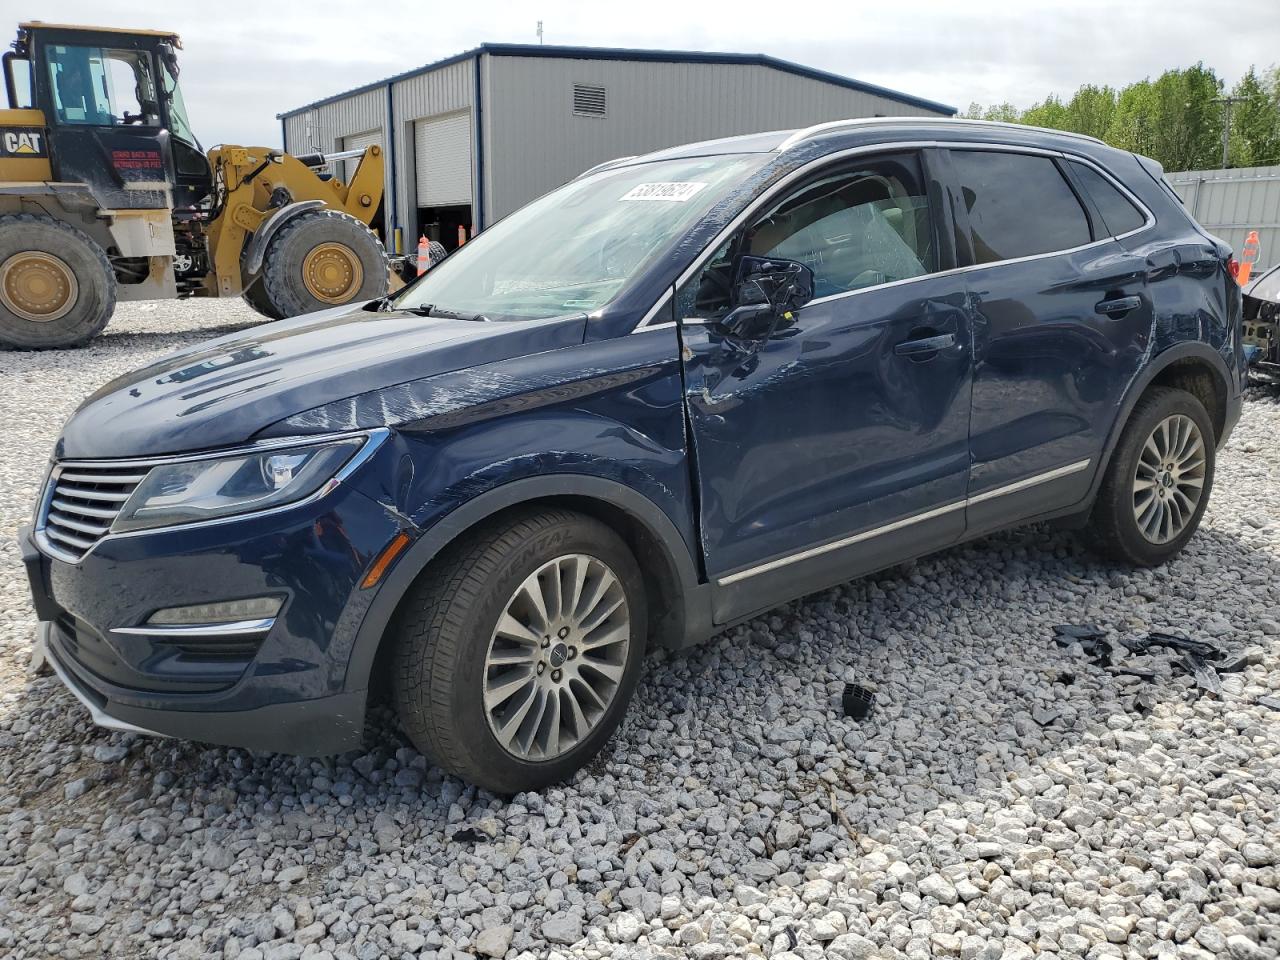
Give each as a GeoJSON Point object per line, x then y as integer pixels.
{"type": "Point", "coordinates": [1255, 123]}
{"type": "Point", "coordinates": [1005, 112]}
{"type": "Point", "coordinates": [1051, 113]}
{"type": "Point", "coordinates": [1091, 110]}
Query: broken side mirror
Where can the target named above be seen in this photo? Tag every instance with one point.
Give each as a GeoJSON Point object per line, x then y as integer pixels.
{"type": "Point", "coordinates": [765, 292]}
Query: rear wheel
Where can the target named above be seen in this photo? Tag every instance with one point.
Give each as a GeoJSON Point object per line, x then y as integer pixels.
{"type": "Point", "coordinates": [1158, 481]}
{"type": "Point", "coordinates": [320, 259]}
{"type": "Point", "coordinates": [56, 285]}
{"type": "Point", "coordinates": [517, 654]}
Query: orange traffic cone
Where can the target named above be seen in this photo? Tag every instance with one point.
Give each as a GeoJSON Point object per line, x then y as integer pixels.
{"type": "Point", "coordinates": [1248, 257]}
{"type": "Point", "coordinates": [424, 255]}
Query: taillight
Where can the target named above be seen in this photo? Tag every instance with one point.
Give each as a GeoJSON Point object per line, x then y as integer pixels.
{"type": "Point", "coordinates": [1233, 268]}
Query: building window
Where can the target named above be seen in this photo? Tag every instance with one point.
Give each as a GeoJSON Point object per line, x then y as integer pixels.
{"type": "Point", "coordinates": [588, 100]}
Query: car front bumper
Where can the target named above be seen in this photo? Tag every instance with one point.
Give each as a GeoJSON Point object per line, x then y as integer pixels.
{"type": "Point", "coordinates": [287, 692]}
{"type": "Point", "coordinates": [307, 727]}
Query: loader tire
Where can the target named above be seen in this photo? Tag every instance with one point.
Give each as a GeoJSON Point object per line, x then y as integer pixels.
{"type": "Point", "coordinates": [256, 297]}
{"type": "Point", "coordinates": [56, 285]}
{"type": "Point", "coordinates": [322, 259]}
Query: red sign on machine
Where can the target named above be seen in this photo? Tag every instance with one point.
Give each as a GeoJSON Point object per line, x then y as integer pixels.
{"type": "Point", "coordinates": [136, 159]}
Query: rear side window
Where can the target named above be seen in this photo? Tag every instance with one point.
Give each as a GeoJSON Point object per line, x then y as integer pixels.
{"type": "Point", "coordinates": [1119, 215]}
{"type": "Point", "coordinates": [1019, 205]}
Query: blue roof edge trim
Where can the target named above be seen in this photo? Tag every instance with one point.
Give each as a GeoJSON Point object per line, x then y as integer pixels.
{"type": "Point", "coordinates": [625, 53]}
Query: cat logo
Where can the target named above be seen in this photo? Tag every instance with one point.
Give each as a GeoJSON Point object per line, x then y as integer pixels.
{"type": "Point", "coordinates": [22, 143]}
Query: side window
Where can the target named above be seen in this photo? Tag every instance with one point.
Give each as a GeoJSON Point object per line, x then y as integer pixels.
{"type": "Point", "coordinates": [1019, 205]}
{"type": "Point", "coordinates": [98, 87]}
{"type": "Point", "coordinates": [855, 226]}
{"type": "Point", "coordinates": [1118, 213]}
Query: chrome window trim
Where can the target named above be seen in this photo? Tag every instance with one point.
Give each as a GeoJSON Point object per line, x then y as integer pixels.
{"type": "Point", "coordinates": [373, 441]}
{"type": "Point", "coordinates": [802, 171]}
{"type": "Point", "coordinates": [817, 551]}
{"type": "Point", "coordinates": [646, 321]}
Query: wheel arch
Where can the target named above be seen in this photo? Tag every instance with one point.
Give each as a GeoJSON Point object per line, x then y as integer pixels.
{"type": "Point", "coordinates": [680, 609]}
{"type": "Point", "coordinates": [1192, 366]}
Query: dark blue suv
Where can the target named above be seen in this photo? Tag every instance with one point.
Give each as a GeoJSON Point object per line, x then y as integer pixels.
{"type": "Point", "coordinates": [678, 391]}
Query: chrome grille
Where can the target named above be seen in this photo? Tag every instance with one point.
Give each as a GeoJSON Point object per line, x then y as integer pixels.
{"type": "Point", "coordinates": [83, 502]}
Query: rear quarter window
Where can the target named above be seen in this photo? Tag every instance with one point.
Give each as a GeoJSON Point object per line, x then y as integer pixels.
{"type": "Point", "coordinates": [1019, 205]}
{"type": "Point", "coordinates": [1118, 213]}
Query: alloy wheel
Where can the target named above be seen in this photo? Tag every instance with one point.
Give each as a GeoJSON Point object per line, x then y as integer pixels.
{"type": "Point", "coordinates": [1169, 478]}
{"type": "Point", "coordinates": [556, 657]}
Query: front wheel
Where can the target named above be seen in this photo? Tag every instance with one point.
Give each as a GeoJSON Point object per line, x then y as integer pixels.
{"type": "Point", "coordinates": [517, 653]}
{"type": "Point", "coordinates": [1158, 482]}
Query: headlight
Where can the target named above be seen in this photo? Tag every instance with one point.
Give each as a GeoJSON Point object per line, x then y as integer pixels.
{"type": "Point", "coordinates": [193, 490]}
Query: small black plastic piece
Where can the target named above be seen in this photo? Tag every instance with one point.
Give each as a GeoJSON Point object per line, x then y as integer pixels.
{"type": "Point", "coordinates": [469, 835]}
{"type": "Point", "coordinates": [858, 701]}
{"type": "Point", "coordinates": [1198, 648]}
{"type": "Point", "coordinates": [1066, 632]}
{"type": "Point", "coordinates": [1237, 664]}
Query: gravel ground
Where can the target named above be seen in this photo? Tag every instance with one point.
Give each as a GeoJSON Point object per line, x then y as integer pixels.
{"type": "Point", "coordinates": [1007, 799]}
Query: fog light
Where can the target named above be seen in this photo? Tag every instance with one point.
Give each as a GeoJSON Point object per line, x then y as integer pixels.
{"type": "Point", "coordinates": [225, 611]}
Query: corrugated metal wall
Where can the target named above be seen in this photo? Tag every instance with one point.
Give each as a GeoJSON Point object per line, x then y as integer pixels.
{"type": "Point", "coordinates": [1230, 203]}
{"type": "Point", "coordinates": [534, 142]}
{"type": "Point", "coordinates": [323, 128]}
{"type": "Point", "coordinates": [446, 90]}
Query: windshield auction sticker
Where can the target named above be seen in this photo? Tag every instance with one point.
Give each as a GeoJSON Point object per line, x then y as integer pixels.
{"type": "Point", "coordinates": [674, 191]}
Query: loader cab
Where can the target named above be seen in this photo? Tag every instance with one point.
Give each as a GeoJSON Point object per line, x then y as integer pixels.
{"type": "Point", "coordinates": [115, 115]}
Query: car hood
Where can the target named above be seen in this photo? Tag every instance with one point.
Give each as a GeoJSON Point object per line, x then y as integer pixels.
{"type": "Point", "coordinates": [224, 391]}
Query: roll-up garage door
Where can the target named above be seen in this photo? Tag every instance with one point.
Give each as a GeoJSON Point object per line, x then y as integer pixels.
{"type": "Point", "coordinates": [358, 141]}
{"type": "Point", "coordinates": [442, 156]}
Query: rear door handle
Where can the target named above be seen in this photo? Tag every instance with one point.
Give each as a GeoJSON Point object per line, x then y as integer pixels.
{"type": "Point", "coordinates": [919, 349]}
{"type": "Point", "coordinates": [1117, 305]}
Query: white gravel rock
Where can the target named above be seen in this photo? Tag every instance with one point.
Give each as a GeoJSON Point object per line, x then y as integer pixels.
{"type": "Point", "coordinates": [738, 812]}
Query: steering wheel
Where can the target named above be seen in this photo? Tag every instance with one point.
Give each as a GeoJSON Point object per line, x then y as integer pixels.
{"type": "Point", "coordinates": [129, 118]}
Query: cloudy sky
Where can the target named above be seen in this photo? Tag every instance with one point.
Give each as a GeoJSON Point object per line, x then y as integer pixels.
{"type": "Point", "coordinates": [244, 61]}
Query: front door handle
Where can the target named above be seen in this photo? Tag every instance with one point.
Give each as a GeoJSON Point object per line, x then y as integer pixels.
{"type": "Point", "coordinates": [925, 348]}
{"type": "Point", "coordinates": [1119, 305]}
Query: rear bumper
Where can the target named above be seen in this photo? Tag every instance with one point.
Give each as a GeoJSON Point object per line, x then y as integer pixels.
{"type": "Point", "coordinates": [316, 727]}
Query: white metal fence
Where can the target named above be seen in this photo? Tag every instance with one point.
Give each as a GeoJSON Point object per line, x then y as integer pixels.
{"type": "Point", "coordinates": [1230, 203]}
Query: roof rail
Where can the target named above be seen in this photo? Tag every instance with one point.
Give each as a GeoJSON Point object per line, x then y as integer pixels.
{"type": "Point", "coordinates": [607, 163]}
{"type": "Point", "coordinates": [808, 133]}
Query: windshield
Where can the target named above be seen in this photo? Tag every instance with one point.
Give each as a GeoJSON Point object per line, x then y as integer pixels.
{"type": "Point", "coordinates": [576, 248]}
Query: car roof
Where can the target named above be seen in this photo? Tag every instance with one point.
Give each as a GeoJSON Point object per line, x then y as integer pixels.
{"type": "Point", "coordinates": [838, 135]}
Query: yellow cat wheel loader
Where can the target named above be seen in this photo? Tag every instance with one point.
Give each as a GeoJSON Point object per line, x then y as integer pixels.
{"type": "Point", "coordinates": [107, 195]}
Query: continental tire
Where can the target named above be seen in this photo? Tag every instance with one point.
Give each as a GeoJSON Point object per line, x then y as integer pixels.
{"type": "Point", "coordinates": [506, 690]}
{"type": "Point", "coordinates": [1158, 482]}
{"type": "Point", "coordinates": [318, 260]}
{"type": "Point", "coordinates": [56, 285]}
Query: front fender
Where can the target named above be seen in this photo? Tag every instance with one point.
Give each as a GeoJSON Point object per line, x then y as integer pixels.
{"type": "Point", "coordinates": [680, 619]}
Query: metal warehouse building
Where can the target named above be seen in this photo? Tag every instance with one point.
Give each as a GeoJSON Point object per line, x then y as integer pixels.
{"type": "Point", "coordinates": [473, 137]}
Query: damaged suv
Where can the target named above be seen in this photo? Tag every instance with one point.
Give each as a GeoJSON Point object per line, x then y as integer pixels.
{"type": "Point", "coordinates": [679, 390]}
